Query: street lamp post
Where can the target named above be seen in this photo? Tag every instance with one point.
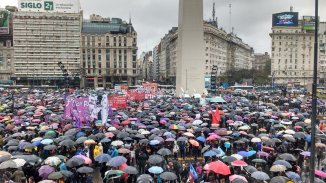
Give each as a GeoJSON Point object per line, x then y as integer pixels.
{"type": "Point", "coordinates": [314, 100]}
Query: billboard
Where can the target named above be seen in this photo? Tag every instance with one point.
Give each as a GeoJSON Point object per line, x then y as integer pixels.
{"type": "Point", "coordinates": [286, 19]}
{"type": "Point", "coordinates": [309, 23]}
{"type": "Point", "coordinates": [4, 22]}
{"type": "Point", "coordinates": [62, 6]}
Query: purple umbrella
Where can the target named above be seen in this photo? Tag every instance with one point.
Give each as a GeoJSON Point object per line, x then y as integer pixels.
{"type": "Point", "coordinates": [244, 153]}
{"type": "Point", "coordinates": [45, 171]}
{"type": "Point", "coordinates": [262, 153]}
{"type": "Point", "coordinates": [305, 153]}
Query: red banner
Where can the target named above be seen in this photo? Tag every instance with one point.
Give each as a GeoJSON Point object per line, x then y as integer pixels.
{"type": "Point", "coordinates": [150, 90]}
{"type": "Point", "coordinates": [136, 95]}
{"type": "Point", "coordinates": [118, 102]}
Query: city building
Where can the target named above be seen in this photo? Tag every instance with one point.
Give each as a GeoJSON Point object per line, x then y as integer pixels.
{"type": "Point", "coordinates": [156, 63]}
{"type": "Point", "coordinates": [226, 50]}
{"type": "Point", "coordinates": [6, 44]}
{"type": "Point", "coordinates": [145, 66]}
{"type": "Point", "coordinates": [109, 52]}
{"type": "Point", "coordinates": [45, 37]}
{"type": "Point", "coordinates": [292, 54]}
{"type": "Point", "coordinates": [260, 61]}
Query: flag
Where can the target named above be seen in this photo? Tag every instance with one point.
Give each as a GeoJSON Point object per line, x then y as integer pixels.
{"type": "Point", "coordinates": [192, 174]}
{"type": "Point", "coordinates": [104, 111]}
{"type": "Point", "coordinates": [216, 118]}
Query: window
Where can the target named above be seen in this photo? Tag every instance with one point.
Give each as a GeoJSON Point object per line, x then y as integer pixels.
{"type": "Point", "coordinates": [134, 58]}
{"type": "Point", "coordinates": [99, 58]}
{"type": "Point", "coordinates": [134, 65]}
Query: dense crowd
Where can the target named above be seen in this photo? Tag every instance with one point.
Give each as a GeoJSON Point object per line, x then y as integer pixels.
{"type": "Point", "coordinates": [264, 137]}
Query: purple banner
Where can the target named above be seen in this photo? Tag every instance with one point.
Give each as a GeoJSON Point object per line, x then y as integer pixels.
{"type": "Point", "coordinates": [80, 104]}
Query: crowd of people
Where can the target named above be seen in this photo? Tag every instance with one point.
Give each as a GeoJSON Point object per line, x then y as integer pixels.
{"type": "Point", "coordinates": [261, 138]}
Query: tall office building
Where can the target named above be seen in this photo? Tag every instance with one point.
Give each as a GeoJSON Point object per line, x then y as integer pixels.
{"type": "Point", "coordinates": [6, 44]}
{"type": "Point", "coordinates": [109, 52]}
{"type": "Point", "coordinates": [292, 55]}
{"type": "Point", "coordinates": [46, 33]}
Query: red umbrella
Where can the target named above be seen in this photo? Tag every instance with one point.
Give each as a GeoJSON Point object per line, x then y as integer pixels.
{"type": "Point", "coordinates": [320, 173]}
{"type": "Point", "coordinates": [239, 163]}
{"type": "Point", "coordinates": [194, 142]}
{"type": "Point", "coordinates": [218, 167]}
{"type": "Point", "coordinates": [126, 122]}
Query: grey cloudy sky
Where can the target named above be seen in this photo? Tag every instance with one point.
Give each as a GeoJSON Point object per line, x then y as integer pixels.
{"type": "Point", "coordinates": [152, 19]}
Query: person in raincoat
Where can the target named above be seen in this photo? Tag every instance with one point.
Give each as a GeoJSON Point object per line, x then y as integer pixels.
{"type": "Point", "coordinates": [97, 151]}
{"type": "Point", "coordinates": [113, 152]}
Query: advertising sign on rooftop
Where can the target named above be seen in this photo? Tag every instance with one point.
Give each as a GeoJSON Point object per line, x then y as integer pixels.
{"type": "Point", "coordinates": [61, 6]}
{"type": "Point", "coordinates": [4, 22]}
{"type": "Point", "coordinates": [289, 19]}
{"type": "Point", "coordinates": [309, 23]}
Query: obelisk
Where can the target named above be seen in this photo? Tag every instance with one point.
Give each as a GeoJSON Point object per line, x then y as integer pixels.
{"type": "Point", "coordinates": [190, 48]}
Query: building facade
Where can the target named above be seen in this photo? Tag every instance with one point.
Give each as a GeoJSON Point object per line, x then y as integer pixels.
{"type": "Point", "coordinates": [42, 39]}
{"type": "Point", "coordinates": [292, 54]}
{"type": "Point", "coordinates": [6, 44]}
{"type": "Point", "coordinates": [260, 61]}
{"type": "Point", "coordinates": [109, 52]}
{"type": "Point", "coordinates": [227, 51]}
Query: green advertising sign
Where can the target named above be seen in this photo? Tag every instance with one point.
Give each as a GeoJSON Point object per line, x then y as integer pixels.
{"type": "Point", "coordinates": [4, 22]}
{"type": "Point", "coordinates": [48, 5]}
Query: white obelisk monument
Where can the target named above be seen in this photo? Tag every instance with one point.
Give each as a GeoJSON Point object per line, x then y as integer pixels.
{"type": "Point", "coordinates": [190, 49]}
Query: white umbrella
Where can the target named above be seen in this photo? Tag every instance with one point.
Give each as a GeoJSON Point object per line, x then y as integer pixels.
{"type": "Point", "coordinates": [291, 132]}
{"type": "Point", "coordinates": [237, 156]}
{"type": "Point", "coordinates": [117, 143]}
{"type": "Point", "coordinates": [145, 132]}
{"type": "Point", "coordinates": [52, 161]}
{"type": "Point", "coordinates": [255, 139]}
{"type": "Point", "coordinates": [19, 162]}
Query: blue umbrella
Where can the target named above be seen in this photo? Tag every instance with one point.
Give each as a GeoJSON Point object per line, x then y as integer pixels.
{"type": "Point", "coordinates": [155, 170]}
{"type": "Point", "coordinates": [244, 153]}
{"type": "Point", "coordinates": [308, 138]}
{"type": "Point", "coordinates": [117, 161]}
{"type": "Point", "coordinates": [154, 142]}
{"type": "Point", "coordinates": [36, 143]}
{"type": "Point", "coordinates": [251, 152]}
{"type": "Point", "coordinates": [201, 139]}
{"type": "Point", "coordinates": [80, 134]}
{"type": "Point", "coordinates": [235, 134]}
{"type": "Point", "coordinates": [103, 158]}
{"type": "Point", "coordinates": [293, 176]}
{"type": "Point", "coordinates": [210, 153]}
{"type": "Point", "coordinates": [47, 141]}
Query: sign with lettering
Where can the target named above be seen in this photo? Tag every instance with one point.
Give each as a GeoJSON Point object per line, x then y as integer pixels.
{"type": "Point", "coordinates": [62, 6]}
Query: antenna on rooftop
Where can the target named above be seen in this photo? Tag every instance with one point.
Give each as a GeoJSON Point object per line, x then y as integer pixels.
{"type": "Point", "coordinates": [230, 18]}
{"type": "Point", "coordinates": [291, 8]}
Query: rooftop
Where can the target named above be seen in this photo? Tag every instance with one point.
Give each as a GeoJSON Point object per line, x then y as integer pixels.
{"type": "Point", "coordinates": [114, 26]}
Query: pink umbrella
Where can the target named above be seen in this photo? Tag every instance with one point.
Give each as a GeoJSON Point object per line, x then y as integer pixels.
{"type": "Point", "coordinates": [87, 160]}
{"type": "Point", "coordinates": [320, 173]}
{"type": "Point", "coordinates": [233, 177]}
{"type": "Point", "coordinates": [239, 163]}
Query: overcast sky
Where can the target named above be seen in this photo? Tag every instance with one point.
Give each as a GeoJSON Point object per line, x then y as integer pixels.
{"type": "Point", "coordinates": [152, 19]}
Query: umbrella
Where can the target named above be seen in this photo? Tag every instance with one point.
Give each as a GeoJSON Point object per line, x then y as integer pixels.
{"type": "Point", "coordinates": [8, 164]}
{"type": "Point", "coordinates": [320, 173]}
{"type": "Point", "coordinates": [258, 160]}
{"type": "Point", "coordinates": [85, 169]}
{"type": "Point", "coordinates": [259, 175]}
{"type": "Point", "coordinates": [66, 173]}
{"type": "Point", "coordinates": [75, 161]}
{"type": "Point", "coordinates": [89, 141]}
{"type": "Point", "coordinates": [279, 179]}
{"type": "Point", "coordinates": [103, 158]}
{"type": "Point", "coordinates": [255, 139]}
{"type": "Point", "coordinates": [164, 152]}
{"type": "Point", "coordinates": [154, 142]}
{"type": "Point", "coordinates": [145, 178]}
{"type": "Point", "coordinates": [117, 161]}
{"type": "Point", "coordinates": [47, 181]}
{"type": "Point", "coordinates": [277, 168]}
{"type": "Point", "coordinates": [228, 159]}
{"type": "Point", "coordinates": [55, 176]}
{"type": "Point", "coordinates": [4, 153]}
{"type": "Point", "coordinates": [244, 153]}
{"type": "Point", "coordinates": [67, 143]}
{"type": "Point", "coordinates": [262, 153]}
{"type": "Point", "coordinates": [4, 158]}
{"type": "Point", "coordinates": [131, 170]}
{"type": "Point", "coordinates": [287, 157]}
{"type": "Point", "coordinates": [239, 163]}
{"type": "Point", "coordinates": [168, 176]}
{"type": "Point", "coordinates": [218, 167]}
{"type": "Point", "coordinates": [52, 161]}
{"type": "Point", "coordinates": [111, 174]}
{"type": "Point", "coordinates": [233, 178]}
{"type": "Point", "coordinates": [293, 176]}
{"type": "Point", "coordinates": [210, 153]}
{"type": "Point", "coordinates": [237, 156]}
{"type": "Point", "coordinates": [28, 158]}
{"type": "Point", "coordinates": [81, 140]}
{"type": "Point", "coordinates": [50, 147]}
{"type": "Point", "coordinates": [194, 142]}
{"type": "Point", "coordinates": [305, 153]}
{"type": "Point", "coordinates": [155, 170]}
{"type": "Point", "coordinates": [45, 171]}
{"type": "Point", "coordinates": [46, 141]}
{"type": "Point", "coordinates": [19, 162]}
{"type": "Point", "coordinates": [155, 159]}
{"type": "Point", "coordinates": [182, 139]}
{"type": "Point", "coordinates": [117, 143]}
{"type": "Point", "coordinates": [250, 169]}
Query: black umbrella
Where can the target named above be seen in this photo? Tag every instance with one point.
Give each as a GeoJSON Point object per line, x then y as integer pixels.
{"type": "Point", "coordinates": [81, 140]}
{"type": "Point", "coordinates": [66, 173]}
{"type": "Point", "coordinates": [145, 178]}
{"type": "Point", "coordinates": [131, 170]}
{"type": "Point", "coordinates": [250, 169]}
{"type": "Point", "coordinates": [28, 158]}
{"type": "Point", "coordinates": [155, 159]}
{"type": "Point", "coordinates": [229, 159]}
{"type": "Point", "coordinates": [164, 152]}
{"type": "Point", "coordinates": [55, 176]}
{"type": "Point", "coordinates": [71, 132]}
{"type": "Point", "coordinates": [74, 161]}
{"type": "Point", "coordinates": [85, 169]}
{"type": "Point", "coordinates": [168, 176]}
{"type": "Point", "coordinates": [287, 157]}
{"type": "Point", "coordinates": [67, 143]}
{"type": "Point", "coordinates": [50, 147]}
